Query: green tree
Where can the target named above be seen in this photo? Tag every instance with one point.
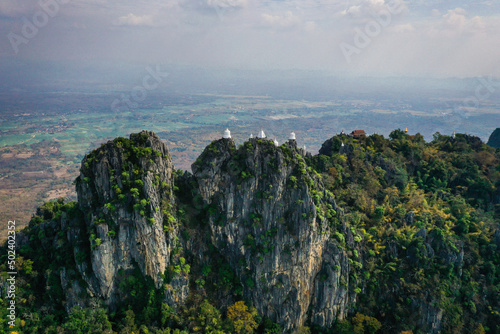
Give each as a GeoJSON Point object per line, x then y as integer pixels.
{"type": "Point", "coordinates": [242, 318]}
{"type": "Point", "coordinates": [365, 324]}
{"type": "Point", "coordinates": [343, 327]}
{"type": "Point", "coordinates": [128, 324]}
{"type": "Point", "coordinates": [208, 320]}
{"type": "Point", "coordinates": [87, 321]}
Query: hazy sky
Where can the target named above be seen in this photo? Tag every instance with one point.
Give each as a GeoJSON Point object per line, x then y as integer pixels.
{"type": "Point", "coordinates": [360, 37]}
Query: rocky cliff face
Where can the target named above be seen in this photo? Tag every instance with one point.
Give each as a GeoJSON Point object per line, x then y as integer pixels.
{"type": "Point", "coordinates": [272, 220]}
{"type": "Point", "coordinates": [268, 216]}
{"type": "Point", "coordinates": [125, 191]}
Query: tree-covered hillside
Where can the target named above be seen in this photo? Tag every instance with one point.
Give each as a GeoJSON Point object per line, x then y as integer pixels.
{"type": "Point", "coordinates": [405, 239]}
{"type": "Point", "coordinates": [429, 216]}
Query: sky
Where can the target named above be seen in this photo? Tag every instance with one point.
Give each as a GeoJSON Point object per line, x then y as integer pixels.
{"type": "Point", "coordinates": [422, 38]}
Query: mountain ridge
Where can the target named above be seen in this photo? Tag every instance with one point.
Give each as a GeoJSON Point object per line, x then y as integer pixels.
{"type": "Point", "coordinates": [303, 240]}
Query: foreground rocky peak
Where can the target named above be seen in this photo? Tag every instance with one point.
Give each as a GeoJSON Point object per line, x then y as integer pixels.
{"type": "Point", "coordinates": [125, 191]}
{"type": "Point", "coordinates": [272, 219]}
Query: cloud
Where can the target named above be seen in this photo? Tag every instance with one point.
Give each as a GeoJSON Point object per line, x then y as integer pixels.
{"type": "Point", "coordinates": [435, 39]}
{"type": "Point", "coordinates": [227, 3]}
{"type": "Point", "coordinates": [310, 26]}
{"type": "Point", "coordinates": [477, 23]}
{"type": "Point", "coordinates": [135, 20]}
{"type": "Point", "coordinates": [455, 18]}
{"type": "Point", "coordinates": [352, 11]}
{"type": "Point", "coordinates": [366, 8]}
{"type": "Point", "coordinates": [455, 22]}
{"type": "Point", "coordinates": [287, 21]}
{"type": "Point", "coordinates": [403, 28]}
{"type": "Point", "coordinates": [212, 7]}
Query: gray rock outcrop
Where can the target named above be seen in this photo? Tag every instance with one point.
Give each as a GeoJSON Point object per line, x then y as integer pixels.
{"type": "Point", "coordinates": [268, 219]}
{"type": "Point", "coordinates": [125, 189]}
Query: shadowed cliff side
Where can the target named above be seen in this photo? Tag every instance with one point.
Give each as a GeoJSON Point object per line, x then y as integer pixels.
{"type": "Point", "coordinates": [494, 140]}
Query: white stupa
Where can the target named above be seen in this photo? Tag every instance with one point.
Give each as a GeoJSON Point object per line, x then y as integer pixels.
{"type": "Point", "coordinates": [304, 148]}
{"type": "Point", "coordinates": [292, 136]}
{"type": "Point", "coordinates": [453, 135]}
{"type": "Point", "coordinates": [276, 142]}
{"type": "Point", "coordinates": [251, 135]}
{"type": "Point", "coordinates": [227, 134]}
{"type": "Point", "coordinates": [261, 135]}
{"type": "Point", "coordinates": [342, 144]}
